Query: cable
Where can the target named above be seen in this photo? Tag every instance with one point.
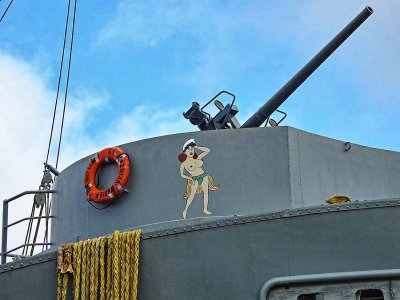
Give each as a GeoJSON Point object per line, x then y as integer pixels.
{"type": "Point", "coordinates": [66, 86]}
{"type": "Point", "coordinates": [59, 80]}
{"type": "Point", "coordinates": [9, 4]}
{"type": "Point", "coordinates": [102, 207]}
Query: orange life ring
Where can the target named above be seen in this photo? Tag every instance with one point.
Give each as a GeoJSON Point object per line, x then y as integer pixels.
{"type": "Point", "coordinates": [118, 187]}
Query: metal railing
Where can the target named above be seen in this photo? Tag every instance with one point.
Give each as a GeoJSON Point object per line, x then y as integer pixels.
{"type": "Point", "coordinates": [7, 253]}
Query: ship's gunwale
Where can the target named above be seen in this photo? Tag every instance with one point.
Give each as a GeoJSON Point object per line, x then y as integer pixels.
{"type": "Point", "coordinates": [171, 228]}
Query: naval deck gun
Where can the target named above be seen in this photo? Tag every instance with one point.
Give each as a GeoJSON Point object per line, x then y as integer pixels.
{"type": "Point", "coordinates": [225, 118]}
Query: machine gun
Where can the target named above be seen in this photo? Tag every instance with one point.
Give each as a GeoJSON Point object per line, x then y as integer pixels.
{"type": "Point", "coordinates": [225, 118]}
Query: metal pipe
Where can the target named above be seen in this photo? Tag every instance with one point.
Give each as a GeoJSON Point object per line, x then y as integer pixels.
{"type": "Point", "coordinates": [29, 218]}
{"type": "Point", "coordinates": [28, 192]}
{"type": "Point", "coordinates": [52, 169]}
{"type": "Point", "coordinates": [326, 277]}
{"type": "Point", "coordinates": [276, 100]}
{"type": "Point", "coordinates": [4, 232]}
{"type": "Point", "coordinates": [29, 244]}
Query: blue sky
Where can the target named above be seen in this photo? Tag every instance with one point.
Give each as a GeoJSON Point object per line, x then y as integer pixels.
{"type": "Point", "coordinates": [137, 65]}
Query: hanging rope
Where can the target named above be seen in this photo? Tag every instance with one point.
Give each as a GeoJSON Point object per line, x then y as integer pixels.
{"type": "Point", "coordinates": [107, 267]}
{"type": "Point", "coordinates": [9, 4]}
{"type": "Point", "coordinates": [67, 83]}
{"type": "Point", "coordinates": [59, 80]}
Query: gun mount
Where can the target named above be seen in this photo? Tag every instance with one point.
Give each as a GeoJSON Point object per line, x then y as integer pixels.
{"type": "Point", "coordinates": [226, 119]}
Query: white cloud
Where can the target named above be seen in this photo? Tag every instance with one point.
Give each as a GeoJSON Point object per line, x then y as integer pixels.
{"type": "Point", "coordinates": [145, 24]}
{"type": "Point", "coordinates": [27, 105]}
{"type": "Point", "coordinates": [140, 122]}
{"type": "Point", "coordinates": [24, 125]}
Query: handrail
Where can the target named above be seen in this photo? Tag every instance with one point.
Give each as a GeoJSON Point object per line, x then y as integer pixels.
{"type": "Point", "coordinates": [27, 193]}
{"type": "Point", "coordinates": [29, 218]}
{"type": "Point", "coordinates": [326, 277]}
{"type": "Point", "coordinates": [28, 244]}
{"type": "Point", "coordinates": [6, 225]}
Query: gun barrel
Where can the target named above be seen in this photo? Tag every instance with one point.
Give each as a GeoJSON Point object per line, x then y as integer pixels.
{"type": "Point", "coordinates": [276, 100]}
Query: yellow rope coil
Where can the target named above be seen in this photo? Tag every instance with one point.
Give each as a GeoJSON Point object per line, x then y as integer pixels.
{"type": "Point", "coordinates": [102, 271]}
{"type": "Point", "coordinates": [116, 265]}
{"type": "Point", "coordinates": [59, 286]}
{"type": "Point", "coordinates": [114, 260]}
{"type": "Point", "coordinates": [132, 266]}
{"type": "Point", "coordinates": [109, 268]}
{"type": "Point", "coordinates": [123, 263]}
{"type": "Point", "coordinates": [92, 268]}
{"type": "Point", "coordinates": [96, 268]}
{"type": "Point", "coordinates": [65, 286]}
{"type": "Point", "coordinates": [88, 268]}
{"type": "Point", "coordinates": [83, 270]}
{"type": "Point", "coordinates": [77, 267]}
{"type": "Point", "coordinates": [137, 235]}
{"type": "Point", "coordinates": [128, 264]}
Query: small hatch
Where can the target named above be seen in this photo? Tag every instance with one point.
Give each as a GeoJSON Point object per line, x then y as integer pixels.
{"type": "Point", "coordinates": [311, 297]}
{"type": "Point", "coordinates": [370, 294]}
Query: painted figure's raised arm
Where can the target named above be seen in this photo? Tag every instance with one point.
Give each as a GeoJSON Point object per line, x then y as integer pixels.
{"type": "Point", "coordinates": [205, 151]}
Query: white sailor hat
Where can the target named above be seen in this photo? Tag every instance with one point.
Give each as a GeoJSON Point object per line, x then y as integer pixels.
{"type": "Point", "coordinates": [188, 143]}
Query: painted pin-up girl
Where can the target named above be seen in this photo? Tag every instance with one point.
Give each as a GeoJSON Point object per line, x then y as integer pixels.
{"type": "Point", "coordinates": [198, 181]}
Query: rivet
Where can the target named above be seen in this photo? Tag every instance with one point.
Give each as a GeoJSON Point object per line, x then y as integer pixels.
{"type": "Point", "coordinates": [387, 203]}
{"type": "Point", "coordinates": [273, 216]}
{"type": "Point", "coordinates": [48, 257]}
{"type": "Point", "coordinates": [318, 210]}
{"type": "Point", "coordinates": [192, 228]}
{"type": "Point", "coordinates": [235, 222]}
{"type": "Point", "coordinates": [150, 235]}
{"type": "Point", "coordinates": [347, 207]}
{"type": "Point", "coordinates": [167, 232]}
{"type": "Point", "coordinates": [398, 202]}
{"type": "Point", "coordinates": [244, 220]}
{"type": "Point", "coordinates": [21, 264]}
{"type": "Point", "coordinates": [30, 261]}
{"type": "Point", "coordinates": [184, 229]}
{"type": "Point", "coordinates": [328, 209]}
{"type": "Point", "coordinates": [159, 233]}
{"type": "Point", "coordinates": [309, 210]}
{"type": "Point", "coordinates": [358, 206]}
{"type": "Point", "coordinates": [300, 212]}
{"type": "Point", "coordinates": [41, 259]}
{"type": "Point", "coordinates": [218, 223]}
{"type": "Point", "coordinates": [252, 219]}
{"type": "Point", "coordinates": [338, 208]}
{"type": "Point", "coordinates": [377, 204]}
{"type": "Point", "coordinates": [5, 269]}
{"type": "Point", "coordinates": [227, 223]}
{"type": "Point", "coordinates": [281, 215]}
{"type": "Point", "coordinates": [291, 213]}
{"type": "Point", "coordinates": [201, 226]}
{"type": "Point", "coordinates": [210, 225]}
{"type": "Point", "coordinates": [12, 267]}
{"type": "Point", "coordinates": [367, 205]}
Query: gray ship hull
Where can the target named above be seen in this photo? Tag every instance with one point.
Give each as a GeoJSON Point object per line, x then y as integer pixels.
{"type": "Point", "coordinates": [267, 221]}
{"type": "Point", "coordinates": [233, 257]}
